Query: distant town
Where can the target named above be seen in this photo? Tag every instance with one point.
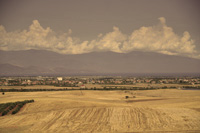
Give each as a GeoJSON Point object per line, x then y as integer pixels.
{"type": "Point", "coordinates": [101, 82]}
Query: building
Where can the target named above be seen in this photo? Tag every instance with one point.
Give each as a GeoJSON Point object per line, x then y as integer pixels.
{"type": "Point", "coordinates": [59, 78]}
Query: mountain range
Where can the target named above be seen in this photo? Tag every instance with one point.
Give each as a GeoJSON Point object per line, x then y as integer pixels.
{"type": "Point", "coordinates": [42, 62]}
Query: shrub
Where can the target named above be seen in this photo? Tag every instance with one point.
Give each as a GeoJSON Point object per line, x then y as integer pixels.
{"type": "Point", "coordinates": [16, 110]}
{"type": "Point", "coordinates": [5, 112]}
{"type": "Point", "coordinates": [12, 106]}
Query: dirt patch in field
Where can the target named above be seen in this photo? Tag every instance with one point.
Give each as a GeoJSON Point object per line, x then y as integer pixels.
{"type": "Point", "coordinates": [197, 109]}
{"type": "Point", "coordinates": [142, 100]}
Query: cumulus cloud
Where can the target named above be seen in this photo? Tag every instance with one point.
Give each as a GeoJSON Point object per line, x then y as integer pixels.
{"type": "Point", "coordinates": [158, 38]}
{"type": "Point", "coordinates": [112, 41]}
{"type": "Point", "coordinates": [36, 37]}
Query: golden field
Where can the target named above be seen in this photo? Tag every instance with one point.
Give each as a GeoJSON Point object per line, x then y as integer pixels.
{"type": "Point", "coordinates": [164, 110]}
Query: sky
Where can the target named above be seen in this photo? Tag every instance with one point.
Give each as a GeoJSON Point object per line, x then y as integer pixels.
{"type": "Point", "coordinates": [170, 27]}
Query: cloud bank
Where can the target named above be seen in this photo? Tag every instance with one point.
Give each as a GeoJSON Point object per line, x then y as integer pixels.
{"type": "Point", "coordinates": [158, 38]}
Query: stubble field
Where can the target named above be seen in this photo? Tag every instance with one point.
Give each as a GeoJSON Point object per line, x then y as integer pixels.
{"type": "Point", "coordinates": [166, 110]}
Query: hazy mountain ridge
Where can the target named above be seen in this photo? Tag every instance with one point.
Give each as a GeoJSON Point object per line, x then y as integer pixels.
{"type": "Point", "coordinates": [41, 62]}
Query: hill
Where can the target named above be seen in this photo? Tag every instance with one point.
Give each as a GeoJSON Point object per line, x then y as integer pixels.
{"type": "Point", "coordinates": [41, 62]}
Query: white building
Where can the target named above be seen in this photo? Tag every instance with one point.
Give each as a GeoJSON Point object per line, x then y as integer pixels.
{"type": "Point", "coordinates": [59, 78]}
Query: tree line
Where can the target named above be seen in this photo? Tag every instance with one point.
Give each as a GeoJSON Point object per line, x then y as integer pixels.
{"type": "Point", "coordinates": [94, 88]}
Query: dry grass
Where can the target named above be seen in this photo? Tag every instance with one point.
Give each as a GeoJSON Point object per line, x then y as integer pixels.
{"type": "Point", "coordinates": [105, 111]}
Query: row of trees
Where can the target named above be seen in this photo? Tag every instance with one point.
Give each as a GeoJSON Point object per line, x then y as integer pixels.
{"type": "Point", "coordinates": [15, 107]}
{"type": "Point", "coordinates": [191, 87]}
{"type": "Point", "coordinates": [30, 90]}
{"type": "Point", "coordinates": [94, 88]}
{"type": "Point", "coordinates": [129, 88]}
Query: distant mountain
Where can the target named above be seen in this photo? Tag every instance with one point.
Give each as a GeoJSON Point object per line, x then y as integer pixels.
{"type": "Point", "coordinates": [41, 62]}
{"type": "Point", "coordinates": [12, 70]}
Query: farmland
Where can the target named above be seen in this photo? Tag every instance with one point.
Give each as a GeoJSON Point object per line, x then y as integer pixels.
{"type": "Point", "coordinates": [104, 111]}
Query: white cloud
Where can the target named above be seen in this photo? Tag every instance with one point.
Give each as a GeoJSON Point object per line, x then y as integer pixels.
{"type": "Point", "coordinates": [111, 41]}
{"type": "Point", "coordinates": [159, 38]}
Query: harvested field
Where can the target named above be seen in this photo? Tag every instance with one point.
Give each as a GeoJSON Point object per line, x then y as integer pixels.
{"type": "Point", "coordinates": [105, 111]}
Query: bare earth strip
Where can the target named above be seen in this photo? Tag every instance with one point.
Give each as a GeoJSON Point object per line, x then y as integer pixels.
{"type": "Point", "coordinates": [105, 111]}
